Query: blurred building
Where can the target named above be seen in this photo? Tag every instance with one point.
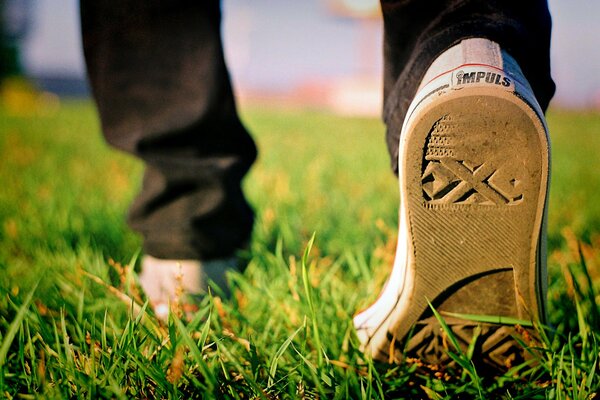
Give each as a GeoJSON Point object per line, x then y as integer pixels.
{"type": "Point", "coordinates": [319, 53]}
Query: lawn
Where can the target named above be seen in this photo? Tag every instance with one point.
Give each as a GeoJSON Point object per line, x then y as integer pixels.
{"type": "Point", "coordinates": [73, 324]}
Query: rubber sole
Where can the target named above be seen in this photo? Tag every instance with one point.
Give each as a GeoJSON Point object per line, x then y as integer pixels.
{"type": "Point", "coordinates": [473, 184]}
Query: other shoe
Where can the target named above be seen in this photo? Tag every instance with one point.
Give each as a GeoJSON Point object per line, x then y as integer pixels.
{"type": "Point", "coordinates": [178, 285]}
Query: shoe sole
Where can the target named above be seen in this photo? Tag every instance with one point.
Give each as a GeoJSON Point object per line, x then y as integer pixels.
{"type": "Point", "coordinates": [473, 186]}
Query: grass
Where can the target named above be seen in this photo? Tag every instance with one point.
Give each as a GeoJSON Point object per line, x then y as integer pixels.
{"type": "Point", "coordinates": [68, 328]}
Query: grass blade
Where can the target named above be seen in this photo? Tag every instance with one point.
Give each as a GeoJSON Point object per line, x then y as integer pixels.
{"type": "Point", "coordinates": [279, 353]}
{"type": "Point", "coordinates": [308, 293]}
{"type": "Point", "coordinates": [14, 326]}
{"type": "Point", "coordinates": [489, 319]}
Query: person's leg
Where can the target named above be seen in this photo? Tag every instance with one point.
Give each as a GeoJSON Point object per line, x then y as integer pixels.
{"type": "Point", "coordinates": [163, 93]}
{"type": "Point", "coordinates": [469, 143]}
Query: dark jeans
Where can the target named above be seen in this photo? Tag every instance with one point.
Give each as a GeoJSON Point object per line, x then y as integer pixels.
{"type": "Point", "coordinates": [163, 93]}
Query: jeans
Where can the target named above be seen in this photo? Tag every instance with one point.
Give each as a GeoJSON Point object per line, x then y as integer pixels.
{"type": "Point", "coordinates": [163, 93]}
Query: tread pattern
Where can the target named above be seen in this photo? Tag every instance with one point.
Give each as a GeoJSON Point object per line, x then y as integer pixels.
{"type": "Point", "coordinates": [449, 179]}
{"type": "Point", "coordinates": [496, 348]}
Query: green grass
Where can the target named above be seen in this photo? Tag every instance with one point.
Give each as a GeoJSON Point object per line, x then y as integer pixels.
{"type": "Point", "coordinates": [67, 329]}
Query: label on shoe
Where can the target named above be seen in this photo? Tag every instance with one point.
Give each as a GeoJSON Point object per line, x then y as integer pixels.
{"type": "Point", "coordinates": [479, 74]}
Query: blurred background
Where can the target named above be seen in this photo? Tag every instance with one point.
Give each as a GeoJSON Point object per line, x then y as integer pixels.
{"type": "Point", "coordinates": [322, 53]}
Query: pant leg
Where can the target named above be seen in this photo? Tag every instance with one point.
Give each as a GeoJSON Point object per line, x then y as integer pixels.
{"type": "Point", "coordinates": [417, 31]}
{"type": "Point", "coordinates": [163, 93]}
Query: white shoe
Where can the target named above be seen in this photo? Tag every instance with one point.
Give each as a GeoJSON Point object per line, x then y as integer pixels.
{"type": "Point", "coordinates": [169, 283]}
{"type": "Point", "coordinates": [473, 174]}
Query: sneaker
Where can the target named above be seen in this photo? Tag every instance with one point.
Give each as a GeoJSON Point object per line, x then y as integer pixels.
{"type": "Point", "coordinates": [474, 171]}
{"type": "Point", "coordinates": [178, 285]}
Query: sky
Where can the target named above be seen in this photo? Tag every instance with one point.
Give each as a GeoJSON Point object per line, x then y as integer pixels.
{"type": "Point", "coordinates": [277, 45]}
